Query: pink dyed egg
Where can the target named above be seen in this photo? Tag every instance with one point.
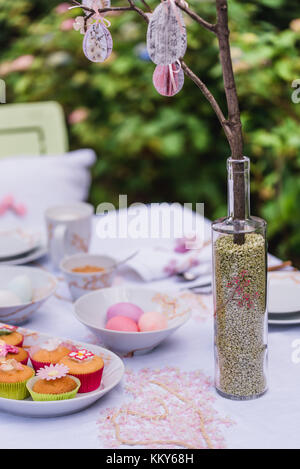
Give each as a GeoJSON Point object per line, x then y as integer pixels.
{"type": "Point", "coordinates": [129, 310]}
{"type": "Point", "coordinates": [168, 79]}
{"type": "Point", "coordinates": [152, 321]}
{"type": "Point", "coordinates": [121, 323]}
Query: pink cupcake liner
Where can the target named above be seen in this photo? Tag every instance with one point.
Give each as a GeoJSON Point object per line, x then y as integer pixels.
{"type": "Point", "coordinates": [89, 381]}
{"type": "Point", "coordinates": [35, 348]}
{"type": "Point", "coordinates": [25, 361]}
{"type": "Point", "coordinates": [37, 365]}
{"type": "Point", "coordinates": [20, 343]}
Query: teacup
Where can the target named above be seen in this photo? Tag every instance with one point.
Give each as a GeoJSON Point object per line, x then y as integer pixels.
{"type": "Point", "coordinates": [69, 230]}
{"type": "Point", "coordinates": [82, 280]}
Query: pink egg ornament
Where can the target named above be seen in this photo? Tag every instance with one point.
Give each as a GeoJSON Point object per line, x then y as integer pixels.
{"type": "Point", "coordinates": [122, 323]}
{"type": "Point", "coordinates": [152, 321]}
{"type": "Point", "coordinates": [168, 79]}
{"type": "Point", "coordinates": [129, 310]}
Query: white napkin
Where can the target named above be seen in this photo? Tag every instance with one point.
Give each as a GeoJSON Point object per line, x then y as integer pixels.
{"type": "Point", "coordinates": [164, 227]}
{"type": "Point", "coordinates": [159, 262]}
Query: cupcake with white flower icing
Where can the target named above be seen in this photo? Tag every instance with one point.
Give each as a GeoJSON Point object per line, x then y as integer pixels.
{"type": "Point", "coordinates": [13, 379]}
{"type": "Point", "coordinates": [52, 383]}
{"type": "Point", "coordinates": [50, 352]}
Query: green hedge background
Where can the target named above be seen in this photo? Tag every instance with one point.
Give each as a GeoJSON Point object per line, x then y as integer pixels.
{"type": "Point", "coordinates": [170, 149]}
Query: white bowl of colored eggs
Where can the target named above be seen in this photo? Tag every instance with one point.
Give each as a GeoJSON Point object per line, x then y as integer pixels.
{"type": "Point", "coordinates": [130, 320]}
{"type": "Point", "coordinates": [23, 290]}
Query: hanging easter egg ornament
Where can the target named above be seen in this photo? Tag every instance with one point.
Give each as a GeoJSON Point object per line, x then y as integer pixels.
{"type": "Point", "coordinates": [166, 35]}
{"type": "Point", "coordinates": [168, 79]}
{"type": "Point", "coordinates": [97, 43]}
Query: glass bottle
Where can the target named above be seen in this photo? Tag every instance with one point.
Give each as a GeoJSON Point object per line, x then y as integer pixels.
{"type": "Point", "coordinates": [240, 292]}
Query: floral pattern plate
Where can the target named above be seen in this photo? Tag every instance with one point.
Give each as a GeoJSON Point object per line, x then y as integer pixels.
{"type": "Point", "coordinates": [112, 375]}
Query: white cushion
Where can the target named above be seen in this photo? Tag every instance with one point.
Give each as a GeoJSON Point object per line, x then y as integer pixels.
{"type": "Point", "coordinates": [40, 182]}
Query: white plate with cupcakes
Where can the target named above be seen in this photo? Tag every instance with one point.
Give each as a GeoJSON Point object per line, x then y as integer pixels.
{"type": "Point", "coordinates": [44, 376]}
{"type": "Point", "coordinates": [131, 320]}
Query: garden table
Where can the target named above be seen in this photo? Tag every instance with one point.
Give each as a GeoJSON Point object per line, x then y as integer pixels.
{"type": "Point", "coordinates": [174, 381]}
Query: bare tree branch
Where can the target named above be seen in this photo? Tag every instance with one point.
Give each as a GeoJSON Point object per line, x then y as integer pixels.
{"type": "Point", "coordinates": [236, 139]}
{"type": "Point", "coordinates": [102, 10]}
{"type": "Point", "coordinates": [231, 125]}
{"type": "Point", "coordinates": [211, 99]}
{"type": "Point", "coordinates": [78, 4]}
{"type": "Point", "coordinates": [138, 10]}
{"type": "Point", "coordinates": [222, 31]}
{"type": "Point", "coordinates": [86, 20]}
{"type": "Point", "coordinates": [146, 6]}
{"type": "Point", "coordinates": [195, 16]}
{"type": "Point", "coordinates": [186, 69]}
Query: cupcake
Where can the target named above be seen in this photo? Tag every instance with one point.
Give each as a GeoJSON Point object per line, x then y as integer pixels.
{"type": "Point", "coordinates": [13, 379]}
{"type": "Point", "coordinates": [51, 352]}
{"type": "Point", "coordinates": [52, 383]}
{"type": "Point", "coordinates": [10, 335]}
{"type": "Point", "coordinates": [87, 367]}
{"type": "Point", "coordinates": [11, 351]}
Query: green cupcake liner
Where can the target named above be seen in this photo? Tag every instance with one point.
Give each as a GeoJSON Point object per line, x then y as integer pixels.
{"type": "Point", "coordinates": [16, 391]}
{"type": "Point", "coordinates": [51, 397]}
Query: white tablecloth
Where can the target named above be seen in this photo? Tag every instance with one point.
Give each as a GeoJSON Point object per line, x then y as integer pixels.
{"type": "Point", "coordinates": [272, 421]}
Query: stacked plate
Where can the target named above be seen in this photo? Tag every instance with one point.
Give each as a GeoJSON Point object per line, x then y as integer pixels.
{"type": "Point", "coordinates": [284, 298]}
{"type": "Point", "coordinates": [19, 246]}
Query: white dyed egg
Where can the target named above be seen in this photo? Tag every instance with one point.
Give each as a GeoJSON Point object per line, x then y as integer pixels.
{"type": "Point", "coordinates": [8, 298]}
{"type": "Point", "coordinates": [21, 285]}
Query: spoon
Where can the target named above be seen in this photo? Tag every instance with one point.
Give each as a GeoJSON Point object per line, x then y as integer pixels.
{"type": "Point", "coordinates": [188, 276]}
{"type": "Point", "coordinates": [123, 261]}
{"type": "Point", "coordinates": [202, 288]}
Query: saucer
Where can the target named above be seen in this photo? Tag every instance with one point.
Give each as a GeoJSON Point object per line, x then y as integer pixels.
{"type": "Point", "coordinates": [16, 242]}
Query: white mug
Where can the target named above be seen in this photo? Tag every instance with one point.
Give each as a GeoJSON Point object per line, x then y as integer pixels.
{"type": "Point", "coordinates": [69, 230]}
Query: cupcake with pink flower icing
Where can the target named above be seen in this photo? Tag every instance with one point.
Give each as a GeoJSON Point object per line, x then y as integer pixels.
{"type": "Point", "coordinates": [8, 352]}
{"type": "Point", "coordinates": [11, 335]}
{"type": "Point", "coordinates": [52, 383]}
{"type": "Point", "coordinates": [85, 366]}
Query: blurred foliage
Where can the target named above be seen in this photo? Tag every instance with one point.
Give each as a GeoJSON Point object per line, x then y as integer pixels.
{"type": "Point", "coordinates": [170, 149]}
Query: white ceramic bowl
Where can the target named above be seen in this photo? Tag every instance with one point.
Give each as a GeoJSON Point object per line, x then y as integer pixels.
{"type": "Point", "coordinates": [91, 310]}
{"type": "Point", "coordinates": [82, 283]}
{"type": "Point", "coordinates": [44, 285]}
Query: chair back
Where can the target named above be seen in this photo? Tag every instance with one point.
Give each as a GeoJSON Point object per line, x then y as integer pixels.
{"type": "Point", "coordinates": [32, 129]}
